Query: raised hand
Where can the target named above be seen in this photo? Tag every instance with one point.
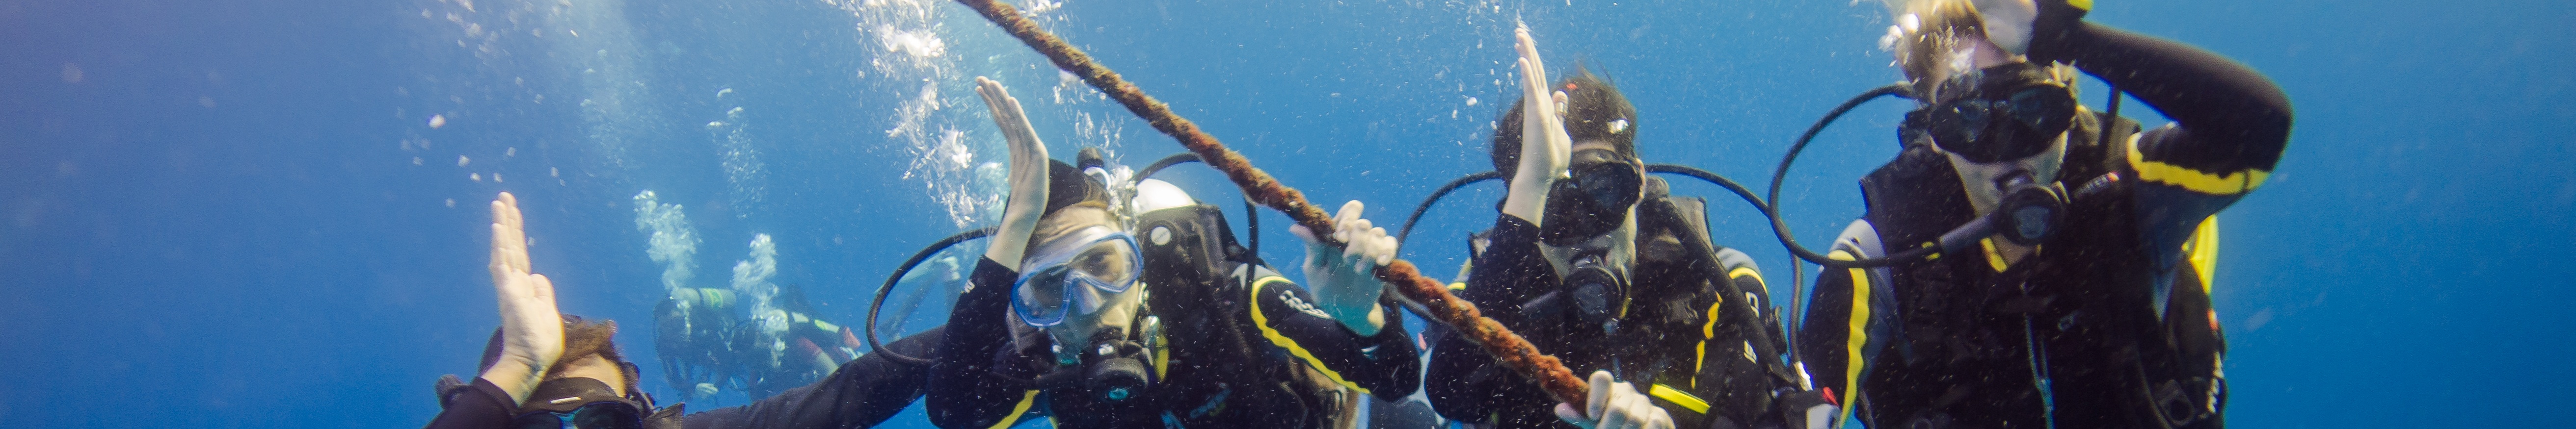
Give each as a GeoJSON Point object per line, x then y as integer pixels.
{"type": "Point", "coordinates": [1545, 147]}
{"type": "Point", "coordinates": [1028, 175]}
{"type": "Point", "coordinates": [2008, 22]}
{"type": "Point", "coordinates": [532, 335]}
{"type": "Point", "coordinates": [1344, 279]}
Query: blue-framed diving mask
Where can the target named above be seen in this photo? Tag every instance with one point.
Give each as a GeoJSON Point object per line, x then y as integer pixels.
{"type": "Point", "coordinates": [1075, 274]}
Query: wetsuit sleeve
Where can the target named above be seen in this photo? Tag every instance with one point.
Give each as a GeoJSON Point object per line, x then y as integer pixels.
{"type": "Point", "coordinates": [1463, 382]}
{"type": "Point", "coordinates": [862, 393]}
{"type": "Point", "coordinates": [964, 392]}
{"type": "Point", "coordinates": [1846, 320]}
{"type": "Point", "coordinates": [1385, 365]}
{"type": "Point", "coordinates": [476, 406]}
{"type": "Point", "coordinates": [2230, 123]}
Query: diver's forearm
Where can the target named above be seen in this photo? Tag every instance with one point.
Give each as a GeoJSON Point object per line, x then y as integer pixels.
{"type": "Point", "coordinates": [2226, 103]}
{"type": "Point", "coordinates": [514, 379]}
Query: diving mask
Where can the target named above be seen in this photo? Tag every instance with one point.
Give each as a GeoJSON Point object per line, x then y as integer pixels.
{"type": "Point", "coordinates": [1075, 274]}
{"type": "Point", "coordinates": [582, 403]}
{"type": "Point", "coordinates": [2002, 115]}
{"type": "Point", "coordinates": [1596, 200]}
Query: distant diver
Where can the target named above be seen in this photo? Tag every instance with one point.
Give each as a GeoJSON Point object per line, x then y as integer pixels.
{"type": "Point", "coordinates": [707, 343]}
{"type": "Point", "coordinates": [2025, 261]}
{"type": "Point", "coordinates": [1597, 264]}
{"type": "Point", "coordinates": [1108, 301]}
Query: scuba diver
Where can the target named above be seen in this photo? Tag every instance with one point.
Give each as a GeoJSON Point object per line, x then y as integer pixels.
{"type": "Point", "coordinates": [542, 368]}
{"type": "Point", "coordinates": [577, 379]}
{"type": "Point", "coordinates": [2025, 261]}
{"type": "Point", "coordinates": [1105, 301]}
{"type": "Point", "coordinates": [1595, 263]}
{"type": "Point", "coordinates": [707, 343]}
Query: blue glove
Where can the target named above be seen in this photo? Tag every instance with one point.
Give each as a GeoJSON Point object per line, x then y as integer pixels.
{"type": "Point", "coordinates": [1344, 279]}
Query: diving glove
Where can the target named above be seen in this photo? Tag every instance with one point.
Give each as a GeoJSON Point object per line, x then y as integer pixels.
{"type": "Point", "coordinates": [1615, 405]}
{"type": "Point", "coordinates": [1344, 279]}
{"type": "Point", "coordinates": [2039, 29]}
{"type": "Point", "coordinates": [1028, 176]}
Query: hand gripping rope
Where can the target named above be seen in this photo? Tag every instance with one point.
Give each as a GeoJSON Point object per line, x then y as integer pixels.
{"type": "Point", "coordinates": [1409, 283]}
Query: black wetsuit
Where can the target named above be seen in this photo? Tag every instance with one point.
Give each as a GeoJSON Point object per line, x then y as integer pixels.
{"type": "Point", "coordinates": [479, 405]}
{"type": "Point", "coordinates": [2108, 323]}
{"type": "Point", "coordinates": [1242, 347]}
{"type": "Point", "coordinates": [862, 393]}
{"type": "Point", "coordinates": [1694, 338]}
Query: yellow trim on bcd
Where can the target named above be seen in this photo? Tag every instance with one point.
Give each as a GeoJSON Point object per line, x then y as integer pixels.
{"type": "Point", "coordinates": [1678, 397]}
{"type": "Point", "coordinates": [1859, 332]}
{"type": "Point", "coordinates": [1016, 411]}
{"type": "Point", "coordinates": [1282, 341]}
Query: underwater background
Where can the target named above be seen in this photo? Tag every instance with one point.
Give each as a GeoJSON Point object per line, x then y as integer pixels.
{"type": "Point", "coordinates": [265, 213]}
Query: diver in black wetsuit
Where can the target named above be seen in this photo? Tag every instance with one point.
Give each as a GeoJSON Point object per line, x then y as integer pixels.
{"type": "Point", "coordinates": [1073, 319]}
{"type": "Point", "coordinates": [2049, 263]}
{"type": "Point", "coordinates": [1606, 271]}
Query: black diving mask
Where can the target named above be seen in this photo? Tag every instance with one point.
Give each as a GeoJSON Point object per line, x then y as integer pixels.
{"type": "Point", "coordinates": [1593, 202]}
{"type": "Point", "coordinates": [579, 402]}
{"type": "Point", "coordinates": [2000, 114]}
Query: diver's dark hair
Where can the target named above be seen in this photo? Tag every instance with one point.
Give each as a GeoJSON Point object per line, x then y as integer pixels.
{"type": "Point", "coordinates": [1066, 186]}
{"type": "Point", "coordinates": [582, 339]}
{"type": "Point", "coordinates": [1592, 105]}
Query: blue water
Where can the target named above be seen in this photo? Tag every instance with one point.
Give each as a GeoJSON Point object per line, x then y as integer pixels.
{"type": "Point", "coordinates": [233, 214]}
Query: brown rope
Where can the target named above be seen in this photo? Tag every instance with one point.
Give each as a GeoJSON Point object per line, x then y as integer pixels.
{"type": "Point", "coordinates": [1507, 347]}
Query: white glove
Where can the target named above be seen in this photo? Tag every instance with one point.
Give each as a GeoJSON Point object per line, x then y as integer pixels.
{"type": "Point", "coordinates": [1028, 175]}
{"type": "Point", "coordinates": [532, 335]}
{"type": "Point", "coordinates": [2008, 22]}
{"type": "Point", "coordinates": [1545, 147]}
{"type": "Point", "coordinates": [1344, 279]}
{"type": "Point", "coordinates": [1615, 405]}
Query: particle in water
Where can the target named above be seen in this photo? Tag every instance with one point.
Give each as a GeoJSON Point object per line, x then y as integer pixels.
{"type": "Point", "coordinates": [552, 172]}
{"type": "Point", "coordinates": [478, 177]}
{"type": "Point", "coordinates": [451, 202]}
{"type": "Point", "coordinates": [436, 121]}
{"type": "Point", "coordinates": [1471, 101]}
{"type": "Point", "coordinates": [461, 160]}
{"type": "Point", "coordinates": [512, 151]}
{"type": "Point", "coordinates": [496, 177]}
{"type": "Point", "coordinates": [415, 160]}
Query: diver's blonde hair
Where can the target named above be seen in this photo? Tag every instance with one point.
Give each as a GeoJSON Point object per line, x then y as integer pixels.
{"type": "Point", "coordinates": [1932, 42]}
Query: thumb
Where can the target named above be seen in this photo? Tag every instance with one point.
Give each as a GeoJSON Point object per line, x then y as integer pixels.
{"type": "Point", "coordinates": [1308, 235]}
{"type": "Point", "coordinates": [1566, 412]}
{"type": "Point", "coordinates": [1602, 386]}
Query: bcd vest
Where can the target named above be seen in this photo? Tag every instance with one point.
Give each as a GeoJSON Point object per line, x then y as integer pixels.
{"type": "Point", "coordinates": [2076, 333]}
